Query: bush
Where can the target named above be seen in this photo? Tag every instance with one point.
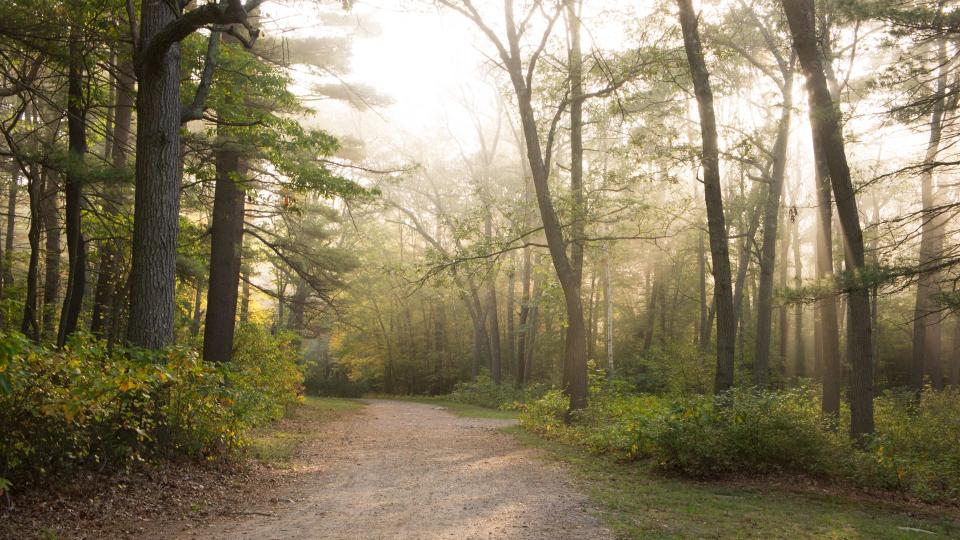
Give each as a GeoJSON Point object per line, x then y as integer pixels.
{"type": "Point", "coordinates": [87, 407]}
{"type": "Point", "coordinates": [745, 431]}
{"type": "Point", "coordinates": [484, 392]}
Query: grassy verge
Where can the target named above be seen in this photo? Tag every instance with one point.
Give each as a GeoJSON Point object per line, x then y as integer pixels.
{"type": "Point", "coordinates": [276, 444]}
{"type": "Point", "coordinates": [460, 409]}
{"type": "Point", "coordinates": [639, 503]}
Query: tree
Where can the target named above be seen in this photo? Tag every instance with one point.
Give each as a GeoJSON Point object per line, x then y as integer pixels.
{"type": "Point", "coordinates": [158, 157]}
{"type": "Point", "coordinates": [539, 155]}
{"type": "Point", "coordinates": [713, 195]}
{"type": "Point", "coordinates": [828, 145]}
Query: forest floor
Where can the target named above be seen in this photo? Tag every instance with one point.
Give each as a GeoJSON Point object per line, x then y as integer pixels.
{"type": "Point", "coordinates": [411, 469]}
{"type": "Point", "coordinates": [400, 469]}
{"type": "Point", "coordinates": [637, 501]}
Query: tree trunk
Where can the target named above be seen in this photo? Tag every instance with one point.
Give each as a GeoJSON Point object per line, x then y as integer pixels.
{"type": "Point", "coordinates": [108, 278]}
{"type": "Point", "coordinates": [28, 325]}
{"type": "Point", "coordinates": [244, 294]}
{"type": "Point", "coordinates": [799, 352]}
{"type": "Point", "coordinates": [226, 244]}
{"type": "Point", "coordinates": [157, 196]}
{"type": "Point", "coordinates": [496, 370]}
{"type": "Point", "coordinates": [73, 194]}
{"type": "Point", "coordinates": [51, 272]}
{"type": "Point", "coordinates": [509, 312]}
{"type": "Point", "coordinates": [197, 312]}
{"type": "Point", "coordinates": [703, 341]}
{"type": "Point", "coordinates": [829, 143]}
{"type": "Point", "coordinates": [768, 254]}
{"type": "Point", "coordinates": [651, 316]}
{"type": "Point", "coordinates": [926, 321]}
{"type": "Point", "coordinates": [533, 324]}
{"type": "Point", "coordinates": [575, 346]}
{"type": "Point", "coordinates": [11, 221]}
{"type": "Point", "coordinates": [608, 312]}
{"type": "Point", "coordinates": [523, 329]}
{"type": "Point", "coordinates": [713, 195]}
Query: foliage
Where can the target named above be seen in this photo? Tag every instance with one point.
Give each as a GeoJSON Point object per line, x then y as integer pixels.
{"type": "Point", "coordinates": [749, 432]}
{"type": "Point", "coordinates": [484, 392]}
{"type": "Point", "coordinates": [86, 406]}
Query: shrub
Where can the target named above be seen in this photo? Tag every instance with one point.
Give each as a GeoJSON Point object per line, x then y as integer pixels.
{"type": "Point", "coordinates": [86, 406]}
{"type": "Point", "coordinates": [545, 415]}
{"type": "Point", "coordinates": [745, 431]}
{"type": "Point", "coordinates": [484, 392]}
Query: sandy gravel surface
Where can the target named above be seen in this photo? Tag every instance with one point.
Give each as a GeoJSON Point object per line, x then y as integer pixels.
{"type": "Point", "coordinates": [409, 470]}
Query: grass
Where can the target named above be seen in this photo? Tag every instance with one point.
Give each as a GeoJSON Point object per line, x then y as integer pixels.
{"type": "Point", "coordinates": [461, 409]}
{"type": "Point", "coordinates": [277, 443]}
{"type": "Point", "coordinates": [638, 502]}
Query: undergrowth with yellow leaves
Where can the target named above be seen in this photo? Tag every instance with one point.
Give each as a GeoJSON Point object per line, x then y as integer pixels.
{"type": "Point", "coordinates": [748, 432]}
{"type": "Point", "coordinates": [88, 407]}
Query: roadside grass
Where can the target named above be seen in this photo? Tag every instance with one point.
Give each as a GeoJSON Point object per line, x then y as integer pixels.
{"type": "Point", "coordinates": [638, 502]}
{"type": "Point", "coordinates": [460, 409]}
{"type": "Point", "coordinates": [277, 443]}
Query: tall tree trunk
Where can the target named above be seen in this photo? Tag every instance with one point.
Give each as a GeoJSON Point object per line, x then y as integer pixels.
{"type": "Point", "coordinates": [51, 271]}
{"type": "Point", "coordinates": [226, 245]}
{"type": "Point", "coordinates": [703, 341]}
{"type": "Point", "coordinates": [575, 346]}
{"type": "Point", "coordinates": [534, 326]}
{"type": "Point", "coordinates": [523, 322]}
{"type": "Point", "coordinates": [783, 326]}
{"type": "Point", "coordinates": [799, 349]}
{"type": "Point", "coordinates": [244, 294]}
{"type": "Point", "coordinates": [76, 245]}
{"type": "Point", "coordinates": [157, 195]}
{"type": "Point", "coordinates": [197, 311]}
{"type": "Point", "coordinates": [511, 347]}
{"type": "Point", "coordinates": [109, 263]}
{"type": "Point", "coordinates": [653, 290]}
{"type": "Point", "coordinates": [768, 254]}
{"type": "Point", "coordinates": [11, 221]}
{"type": "Point", "coordinates": [713, 195]}
{"type": "Point", "coordinates": [926, 321]}
{"type": "Point", "coordinates": [29, 325]}
{"type": "Point", "coordinates": [493, 316]}
{"type": "Point", "coordinates": [608, 311]}
{"type": "Point", "coordinates": [298, 306]}
{"type": "Point", "coordinates": [829, 143]}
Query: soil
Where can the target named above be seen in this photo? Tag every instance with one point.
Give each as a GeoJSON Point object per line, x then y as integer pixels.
{"type": "Point", "coordinates": [410, 470]}
{"type": "Point", "coordinates": [393, 469]}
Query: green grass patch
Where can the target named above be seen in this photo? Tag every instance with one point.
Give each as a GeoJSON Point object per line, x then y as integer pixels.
{"type": "Point", "coordinates": [277, 443]}
{"type": "Point", "coordinates": [461, 409]}
{"type": "Point", "coordinates": [637, 502]}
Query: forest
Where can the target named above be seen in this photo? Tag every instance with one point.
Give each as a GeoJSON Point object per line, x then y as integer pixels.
{"type": "Point", "coordinates": [713, 238]}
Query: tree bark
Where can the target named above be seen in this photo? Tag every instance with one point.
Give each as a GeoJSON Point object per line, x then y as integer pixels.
{"type": "Point", "coordinates": [523, 329]}
{"type": "Point", "coordinates": [829, 143]}
{"type": "Point", "coordinates": [608, 311]}
{"type": "Point", "coordinates": [226, 245]}
{"type": "Point", "coordinates": [51, 271]}
{"type": "Point", "coordinates": [926, 320]}
{"type": "Point", "coordinates": [493, 317]}
{"type": "Point", "coordinates": [29, 325]}
{"type": "Point", "coordinates": [768, 255]}
{"type": "Point", "coordinates": [511, 347]}
{"type": "Point", "coordinates": [73, 193]}
{"type": "Point", "coordinates": [11, 221]}
{"type": "Point", "coordinates": [108, 278]}
{"type": "Point", "coordinates": [157, 196]}
{"type": "Point", "coordinates": [713, 195]}
{"type": "Point", "coordinates": [799, 349]}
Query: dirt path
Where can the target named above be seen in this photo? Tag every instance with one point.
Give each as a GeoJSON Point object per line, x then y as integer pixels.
{"type": "Point", "coordinates": [409, 470]}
